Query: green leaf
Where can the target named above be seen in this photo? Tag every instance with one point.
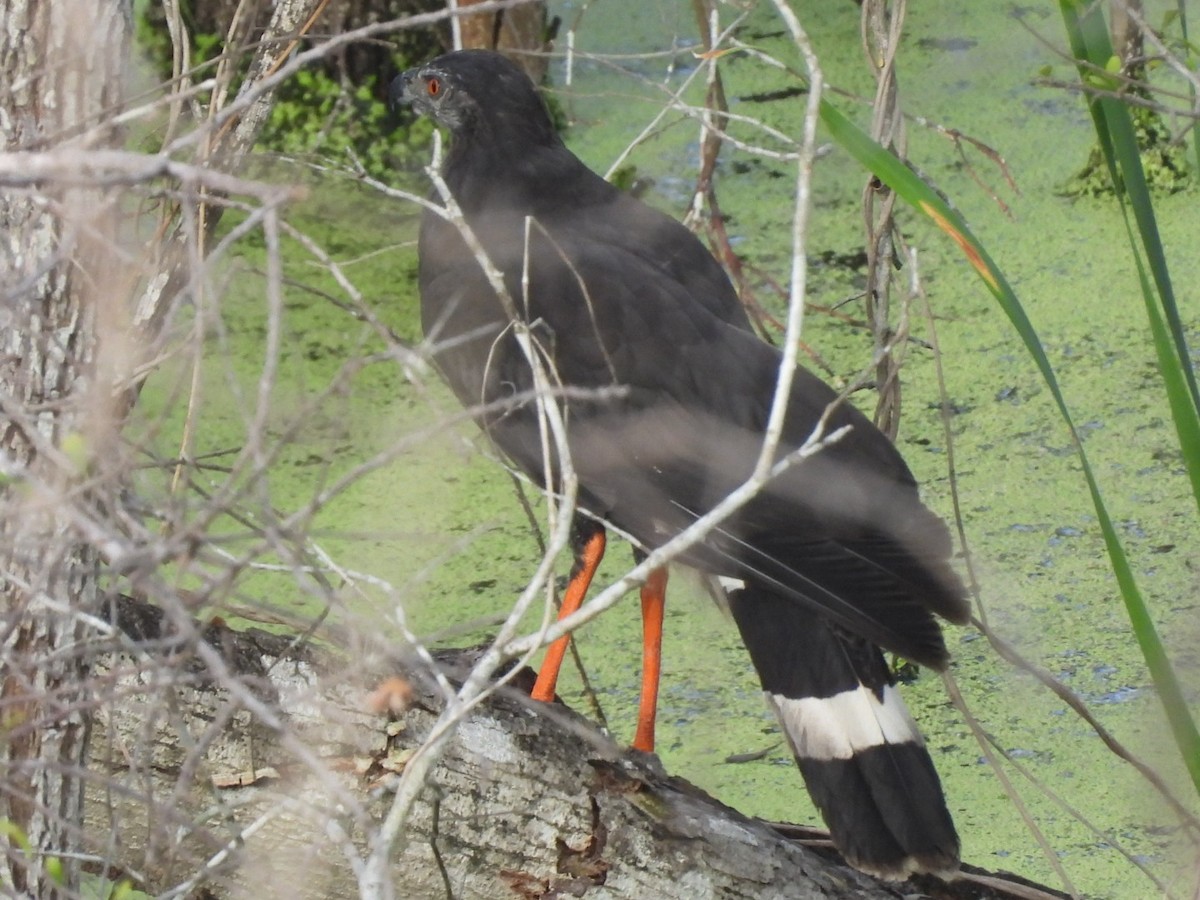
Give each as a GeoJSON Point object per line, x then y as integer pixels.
{"type": "Point", "coordinates": [56, 871]}
{"type": "Point", "coordinates": [15, 834]}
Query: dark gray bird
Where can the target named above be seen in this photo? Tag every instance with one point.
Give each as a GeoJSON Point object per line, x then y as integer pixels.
{"type": "Point", "coordinates": [833, 560]}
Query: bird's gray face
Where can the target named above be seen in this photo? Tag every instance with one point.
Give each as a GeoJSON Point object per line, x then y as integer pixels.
{"type": "Point", "coordinates": [432, 92]}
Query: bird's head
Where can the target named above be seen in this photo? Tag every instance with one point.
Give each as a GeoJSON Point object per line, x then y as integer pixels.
{"type": "Point", "coordinates": [476, 92]}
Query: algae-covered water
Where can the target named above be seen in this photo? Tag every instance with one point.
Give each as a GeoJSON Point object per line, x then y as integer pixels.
{"type": "Point", "coordinates": [439, 530]}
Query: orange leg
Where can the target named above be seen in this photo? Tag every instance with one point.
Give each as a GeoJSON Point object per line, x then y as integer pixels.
{"type": "Point", "coordinates": [654, 601]}
{"type": "Point", "coordinates": [589, 550]}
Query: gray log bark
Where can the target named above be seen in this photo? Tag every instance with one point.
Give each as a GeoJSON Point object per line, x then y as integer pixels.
{"type": "Point", "coordinates": [530, 801]}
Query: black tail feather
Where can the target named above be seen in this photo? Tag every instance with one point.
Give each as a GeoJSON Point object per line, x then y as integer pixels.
{"type": "Point", "coordinates": [861, 755]}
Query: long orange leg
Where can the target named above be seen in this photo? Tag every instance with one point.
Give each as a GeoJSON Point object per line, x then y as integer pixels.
{"type": "Point", "coordinates": [654, 602]}
{"type": "Point", "coordinates": [589, 543]}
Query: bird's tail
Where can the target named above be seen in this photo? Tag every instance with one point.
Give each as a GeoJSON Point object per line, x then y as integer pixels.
{"type": "Point", "coordinates": [862, 757]}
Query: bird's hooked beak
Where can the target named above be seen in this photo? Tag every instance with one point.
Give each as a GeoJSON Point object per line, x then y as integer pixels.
{"type": "Point", "coordinates": [400, 91]}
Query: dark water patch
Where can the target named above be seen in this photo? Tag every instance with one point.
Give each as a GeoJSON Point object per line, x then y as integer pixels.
{"type": "Point", "coordinates": [757, 166]}
{"type": "Point", "coordinates": [853, 260]}
{"type": "Point", "coordinates": [947, 44]}
{"type": "Point", "coordinates": [1051, 106]}
{"type": "Point", "coordinates": [753, 755]}
{"type": "Point", "coordinates": [767, 35]}
{"type": "Point", "coordinates": [1120, 695]}
{"type": "Point", "coordinates": [771, 96]}
{"type": "Point", "coordinates": [951, 407]}
{"type": "Point", "coordinates": [1133, 529]}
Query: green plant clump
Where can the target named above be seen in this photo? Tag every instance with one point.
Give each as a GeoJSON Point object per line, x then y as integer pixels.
{"type": "Point", "coordinates": [1164, 161]}
{"type": "Point", "coordinates": [327, 114]}
{"type": "Point", "coordinates": [315, 118]}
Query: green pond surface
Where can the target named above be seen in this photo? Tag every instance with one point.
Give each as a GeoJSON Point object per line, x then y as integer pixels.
{"type": "Point", "coordinates": [439, 530]}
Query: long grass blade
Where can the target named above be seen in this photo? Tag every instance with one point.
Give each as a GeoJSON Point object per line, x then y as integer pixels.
{"type": "Point", "coordinates": [907, 185]}
{"type": "Point", "coordinates": [1088, 35]}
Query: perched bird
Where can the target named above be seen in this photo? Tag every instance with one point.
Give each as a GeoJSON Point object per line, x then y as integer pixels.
{"type": "Point", "coordinates": [669, 397]}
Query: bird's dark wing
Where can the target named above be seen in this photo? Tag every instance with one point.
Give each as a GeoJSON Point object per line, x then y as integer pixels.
{"type": "Point", "coordinates": [626, 225]}
{"type": "Point", "coordinates": [844, 531]}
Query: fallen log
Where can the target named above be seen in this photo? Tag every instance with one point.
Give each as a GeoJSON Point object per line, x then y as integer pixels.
{"type": "Point", "coordinates": [248, 764]}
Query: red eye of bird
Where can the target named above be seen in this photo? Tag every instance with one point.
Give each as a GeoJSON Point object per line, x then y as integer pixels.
{"type": "Point", "coordinates": [433, 87]}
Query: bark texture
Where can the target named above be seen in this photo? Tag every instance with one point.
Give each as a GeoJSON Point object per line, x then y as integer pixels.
{"type": "Point", "coordinates": [529, 801]}
{"type": "Point", "coordinates": [60, 64]}
{"type": "Point", "coordinates": [521, 33]}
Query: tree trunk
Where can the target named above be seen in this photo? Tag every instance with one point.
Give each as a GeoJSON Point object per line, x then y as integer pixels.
{"type": "Point", "coordinates": [208, 796]}
{"type": "Point", "coordinates": [518, 32]}
{"type": "Point", "coordinates": [59, 63]}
